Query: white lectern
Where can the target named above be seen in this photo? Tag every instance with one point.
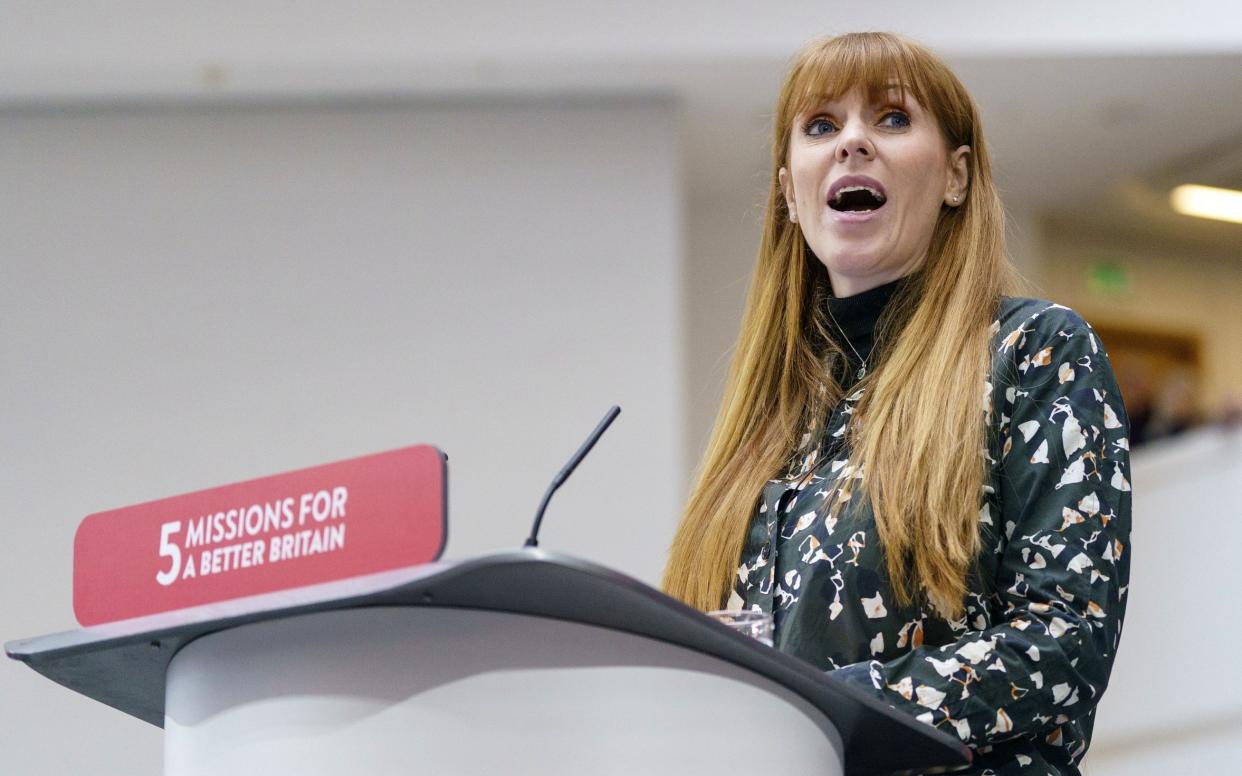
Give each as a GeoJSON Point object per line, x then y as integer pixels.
{"type": "Point", "coordinates": [523, 662]}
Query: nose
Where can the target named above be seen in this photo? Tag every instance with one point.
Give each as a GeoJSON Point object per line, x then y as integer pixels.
{"type": "Point", "coordinates": [854, 141]}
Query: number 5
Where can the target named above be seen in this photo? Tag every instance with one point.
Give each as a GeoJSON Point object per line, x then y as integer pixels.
{"type": "Point", "coordinates": [171, 550]}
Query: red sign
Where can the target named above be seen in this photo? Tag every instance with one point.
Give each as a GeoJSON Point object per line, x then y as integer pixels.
{"type": "Point", "coordinates": [344, 519]}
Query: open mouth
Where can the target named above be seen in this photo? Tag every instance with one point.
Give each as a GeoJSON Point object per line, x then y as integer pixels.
{"type": "Point", "coordinates": [857, 199]}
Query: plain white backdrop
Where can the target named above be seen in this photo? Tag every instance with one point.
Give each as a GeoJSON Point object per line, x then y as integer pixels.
{"type": "Point", "coordinates": [191, 298]}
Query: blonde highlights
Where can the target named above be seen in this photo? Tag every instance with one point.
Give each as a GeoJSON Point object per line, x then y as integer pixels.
{"type": "Point", "coordinates": [918, 434]}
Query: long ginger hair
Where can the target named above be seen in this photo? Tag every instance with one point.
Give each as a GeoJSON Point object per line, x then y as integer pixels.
{"type": "Point", "coordinates": [917, 437]}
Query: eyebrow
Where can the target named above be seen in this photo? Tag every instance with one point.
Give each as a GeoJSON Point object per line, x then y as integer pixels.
{"type": "Point", "coordinates": [882, 99]}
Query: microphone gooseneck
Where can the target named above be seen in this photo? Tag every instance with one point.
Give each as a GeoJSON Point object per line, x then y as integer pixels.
{"type": "Point", "coordinates": [564, 473]}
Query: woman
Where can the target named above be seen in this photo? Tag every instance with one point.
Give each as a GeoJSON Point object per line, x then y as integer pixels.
{"type": "Point", "coordinates": [922, 479]}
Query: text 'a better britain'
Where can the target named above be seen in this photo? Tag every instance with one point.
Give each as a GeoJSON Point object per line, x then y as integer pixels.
{"type": "Point", "coordinates": [274, 531]}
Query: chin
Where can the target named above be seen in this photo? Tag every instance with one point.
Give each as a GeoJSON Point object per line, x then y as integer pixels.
{"type": "Point", "coordinates": [854, 264]}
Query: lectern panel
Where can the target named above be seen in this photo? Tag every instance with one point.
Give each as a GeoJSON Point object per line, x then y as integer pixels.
{"type": "Point", "coordinates": [402, 690]}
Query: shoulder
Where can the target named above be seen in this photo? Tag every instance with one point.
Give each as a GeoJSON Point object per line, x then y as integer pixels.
{"type": "Point", "coordinates": [1048, 359]}
{"type": "Point", "coordinates": [1017, 317]}
{"type": "Point", "coordinates": [1057, 403]}
{"type": "Point", "coordinates": [1029, 333]}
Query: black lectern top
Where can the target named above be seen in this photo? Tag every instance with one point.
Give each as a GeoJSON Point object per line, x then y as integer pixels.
{"type": "Point", "coordinates": [124, 664]}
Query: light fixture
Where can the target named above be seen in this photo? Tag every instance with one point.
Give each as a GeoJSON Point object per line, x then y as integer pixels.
{"type": "Point", "coordinates": [1207, 202]}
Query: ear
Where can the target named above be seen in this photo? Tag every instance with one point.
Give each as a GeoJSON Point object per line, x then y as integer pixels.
{"type": "Point", "coordinates": [787, 189]}
{"type": "Point", "coordinates": [959, 176]}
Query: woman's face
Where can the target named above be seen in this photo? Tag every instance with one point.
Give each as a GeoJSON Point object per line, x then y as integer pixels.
{"type": "Point", "coordinates": [896, 150]}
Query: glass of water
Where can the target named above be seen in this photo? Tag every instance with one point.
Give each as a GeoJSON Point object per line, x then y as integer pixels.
{"type": "Point", "coordinates": [756, 624]}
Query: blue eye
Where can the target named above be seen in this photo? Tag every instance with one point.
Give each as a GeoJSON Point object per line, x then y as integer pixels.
{"type": "Point", "coordinates": [903, 121]}
{"type": "Point", "coordinates": [904, 118]}
{"type": "Point", "coordinates": [814, 122]}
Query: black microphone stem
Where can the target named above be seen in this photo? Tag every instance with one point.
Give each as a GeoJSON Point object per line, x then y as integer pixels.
{"type": "Point", "coordinates": [564, 473]}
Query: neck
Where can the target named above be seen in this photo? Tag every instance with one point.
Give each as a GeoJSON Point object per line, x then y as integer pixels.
{"type": "Point", "coordinates": [853, 319]}
{"type": "Point", "coordinates": [851, 285]}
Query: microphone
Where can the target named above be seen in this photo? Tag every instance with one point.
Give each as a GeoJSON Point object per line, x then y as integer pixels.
{"type": "Point", "coordinates": [564, 473]}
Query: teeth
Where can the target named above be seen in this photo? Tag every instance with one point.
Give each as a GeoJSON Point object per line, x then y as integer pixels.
{"type": "Point", "coordinates": [845, 189]}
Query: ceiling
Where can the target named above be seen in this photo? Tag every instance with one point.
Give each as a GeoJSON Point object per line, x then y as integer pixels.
{"type": "Point", "coordinates": [1090, 110]}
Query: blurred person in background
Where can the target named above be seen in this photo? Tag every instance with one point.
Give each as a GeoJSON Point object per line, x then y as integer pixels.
{"type": "Point", "coordinates": [1174, 408]}
{"type": "Point", "coordinates": [1133, 378]}
{"type": "Point", "coordinates": [924, 479]}
{"type": "Point", "coordinates": [1230, 413]}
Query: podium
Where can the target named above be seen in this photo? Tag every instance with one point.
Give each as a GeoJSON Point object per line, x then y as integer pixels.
{"type": "Point", "coordinates": [517, 662]}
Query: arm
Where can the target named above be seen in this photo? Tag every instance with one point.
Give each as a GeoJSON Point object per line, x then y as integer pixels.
{"type": "Point", "coordinates": [1061, 581]}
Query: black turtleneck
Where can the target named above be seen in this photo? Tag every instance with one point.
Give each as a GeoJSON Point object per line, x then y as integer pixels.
{"type": "Point", "coordinates": [856, 318]}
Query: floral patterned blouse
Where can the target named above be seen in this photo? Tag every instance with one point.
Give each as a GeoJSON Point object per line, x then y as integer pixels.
{"type": "Point", "coordinates": [1019, 676]}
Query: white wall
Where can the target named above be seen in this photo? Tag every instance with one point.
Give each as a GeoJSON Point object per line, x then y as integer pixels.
{"type": "Point", "coordinates": [722, 235]}
{"type": "Point", "coordinates": [194, 297]}
{"type": "Point", "coordinates": [1172, 704]}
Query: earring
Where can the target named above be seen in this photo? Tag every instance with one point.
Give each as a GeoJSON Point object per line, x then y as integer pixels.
{"type": "Point", "coordinates": [793, 217]}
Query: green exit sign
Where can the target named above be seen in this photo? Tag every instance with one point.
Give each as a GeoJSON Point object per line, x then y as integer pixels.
{"type": "Point", "coordinates": [1109, 277]}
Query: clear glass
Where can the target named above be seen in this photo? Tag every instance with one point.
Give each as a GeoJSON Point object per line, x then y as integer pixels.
{"type": "Point", "coordinates": [756, 624]}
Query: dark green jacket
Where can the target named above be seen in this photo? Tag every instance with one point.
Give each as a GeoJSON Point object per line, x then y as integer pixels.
{"type": "Point", "coordinates": [1017, 678]}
